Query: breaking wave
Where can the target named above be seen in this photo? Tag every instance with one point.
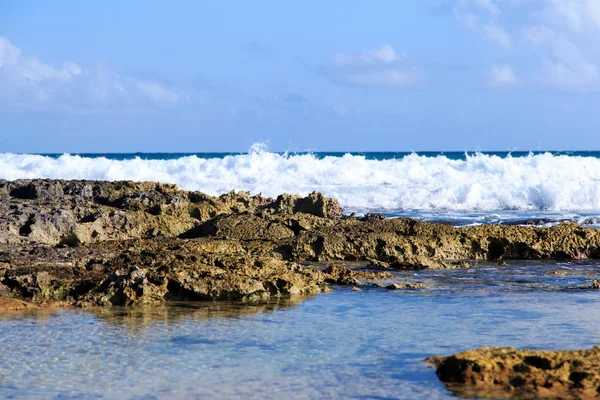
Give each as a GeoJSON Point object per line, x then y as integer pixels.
{"type": "Point", "coordinates": [414, 182]}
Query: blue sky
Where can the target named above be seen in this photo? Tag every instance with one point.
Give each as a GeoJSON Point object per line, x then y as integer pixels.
{"type": "Point", "coordinates": [112, 76]}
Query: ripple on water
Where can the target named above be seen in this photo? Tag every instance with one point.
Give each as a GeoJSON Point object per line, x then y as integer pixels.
{"type": "Point", "coordinates": [366, 344]}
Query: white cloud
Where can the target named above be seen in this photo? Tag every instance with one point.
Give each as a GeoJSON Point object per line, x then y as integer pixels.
{"type": "Point", "coordinates": [565, 37]}
{"type": "Point", "coordinates": [390, 77]}
{"type": "Point", "coordinates": [29, 70]}
{"type": "Point", "coordinates": [381, 66]}
{"type": "Point", "coordinates": [538, 34]}
{"type": "Point", "coordinates": [489, 6]}
{"type": "Point", "coordinates": [568, 69]}
{"type": "Point", "coordinates": [29, 82]}
{"type": "Point", "coordinates": [382, 55]}
{"type": "Point", "coordinates": [502, 75]}
{"type": "Point", "coordinates": [466, 11]}
{"type": "Point", "coordinates": [158, 93]}
{"type": "Point", "coordinates": [9, 54]}
{"type": "Point", "coordinates": [566, 12]}
{"type": "Point", "coordinates": [497, 34]}
{"type": "Point", "coordinates": [594, 11]}
{"type": "Point", "coordinates": [467, 19]}
{"type": "Point", "coordinates": [557, 37]}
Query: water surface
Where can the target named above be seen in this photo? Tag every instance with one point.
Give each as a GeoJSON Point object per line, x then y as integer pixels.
{"type": "Point", "coordinates": [364, 344]}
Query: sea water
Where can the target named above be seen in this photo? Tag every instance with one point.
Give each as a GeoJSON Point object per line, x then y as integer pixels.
{"type": "Point", "coordinates": [459, 188]}
{"type": "Point", "coordinates": [367, 344]}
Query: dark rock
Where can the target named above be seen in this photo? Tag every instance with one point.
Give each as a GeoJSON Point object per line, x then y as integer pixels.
{"type": "Point", "coordinates": [404, 286]}
{"type": "Point", "coordinates": [373, 217]}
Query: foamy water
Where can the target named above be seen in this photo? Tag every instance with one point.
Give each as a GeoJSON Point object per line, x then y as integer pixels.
{"type": "Point", "coordinates": [479, 182]}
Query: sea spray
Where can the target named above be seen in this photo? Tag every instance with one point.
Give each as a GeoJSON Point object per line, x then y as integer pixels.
{"type": "Point", "coordinates": [482, 182]}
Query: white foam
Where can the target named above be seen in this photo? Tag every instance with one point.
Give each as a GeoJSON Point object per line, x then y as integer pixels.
{"type": "Point", "coordinates": [481, 182]}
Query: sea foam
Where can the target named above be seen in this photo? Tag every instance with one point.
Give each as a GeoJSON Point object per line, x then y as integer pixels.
{"type": "Point", "coordinates": [413, 182]}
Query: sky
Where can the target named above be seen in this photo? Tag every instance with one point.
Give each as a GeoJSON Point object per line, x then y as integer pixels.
{"type": "Point", "coordinates": [198, 76]}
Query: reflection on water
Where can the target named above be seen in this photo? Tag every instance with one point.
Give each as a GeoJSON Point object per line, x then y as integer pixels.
{"type": "Point", "coordinates": [144, 316]}
{"type": "Point", "coordinates": [366, 344]}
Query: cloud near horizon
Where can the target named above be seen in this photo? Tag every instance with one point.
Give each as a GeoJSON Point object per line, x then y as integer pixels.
{"type": "Point", "coordinates": [379, 67]}
{"type": "Point", "coordinates": [27, 82]}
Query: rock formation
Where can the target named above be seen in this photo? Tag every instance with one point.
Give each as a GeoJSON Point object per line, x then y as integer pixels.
{"type": "Point", "coordinates": [507, 372]}
{"type": "Point", "coordinates": [98, 243]}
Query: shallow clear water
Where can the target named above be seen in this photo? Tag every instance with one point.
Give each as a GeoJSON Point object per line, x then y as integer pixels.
{"type": "Point", "coordinates": [356, 344]}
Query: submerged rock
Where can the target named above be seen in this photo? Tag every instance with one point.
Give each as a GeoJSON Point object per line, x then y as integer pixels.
{"type": "Point", "coordinates": [507, 372]}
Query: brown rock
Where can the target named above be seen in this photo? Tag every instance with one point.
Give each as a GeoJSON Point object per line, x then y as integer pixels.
{"type": "Point", "coordinates": [11, 305]}
{"type": "Point", "coordinates": [72, 213]}
{"type": "Point", "coordinates": [151, 271]}
{"type": "Point", "coordinates": [92, 242]}
{"type": "Point", "coordinates": [341, 275]}
{"type": "Point", "coordinates": [507, 372]}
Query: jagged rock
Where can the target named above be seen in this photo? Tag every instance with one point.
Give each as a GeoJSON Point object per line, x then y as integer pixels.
{"type": "Point", "coordinates": [151, 271]}
{"type": "Point", "coordinates": [341, 275]}
{"type": "Point", "coordinates": [410, 244]}
{"type": "Point", "coordinates": [77, 212]}
{"type": "Point", "coordinates": [507, 372]}
{"type": "Point", "coordinates": [235, 238]}
{"type": "Point", "coordinates": [314, 204]}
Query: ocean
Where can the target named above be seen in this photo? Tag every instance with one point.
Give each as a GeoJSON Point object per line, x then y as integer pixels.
{"type": "Point", "coordinates": [363, 344]}
{"type": "Point", "coordinates": [459, 188]}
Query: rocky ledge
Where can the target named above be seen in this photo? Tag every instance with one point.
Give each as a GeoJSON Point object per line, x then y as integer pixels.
{"type": "Point", "coordinates": [507, 372]}
{"type": "Point", "coordinates": [101, 243]}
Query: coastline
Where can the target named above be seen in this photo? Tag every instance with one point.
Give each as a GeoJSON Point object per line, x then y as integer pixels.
{"type": "Point", "coordinates": [122, 243]}
{"type": "Point", "coordinates": [95, 243]}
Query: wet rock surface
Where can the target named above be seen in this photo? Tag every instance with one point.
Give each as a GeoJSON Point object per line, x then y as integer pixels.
{"type": "Point", "coordinates": [511, 373]}
{"type": "Point", "coordinates": [150, 271]}
{"type": "Point", "coordinates": [101, 243]}
{"type": "Point", "coordinates": [8, 305]}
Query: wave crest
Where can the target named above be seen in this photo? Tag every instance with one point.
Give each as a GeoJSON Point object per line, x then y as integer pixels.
{"type": "Point", "coordinates": [414, 182]}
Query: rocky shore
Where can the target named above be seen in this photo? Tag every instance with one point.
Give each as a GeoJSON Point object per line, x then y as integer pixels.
{"type": "Point", "coordinates": [89, 243]}
{"type": "Point", "coordinates": [507, 372]}
{"type": "Point", "coordinates": [95, 243]}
